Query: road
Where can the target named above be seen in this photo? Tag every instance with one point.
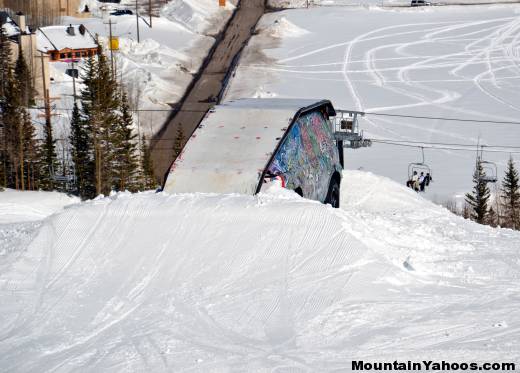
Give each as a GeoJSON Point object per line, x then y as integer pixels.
{"type": "Point", "coordinates": [207, 84]}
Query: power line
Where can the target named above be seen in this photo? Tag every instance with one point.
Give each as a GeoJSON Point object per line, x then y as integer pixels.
{"type": "Point", "coordinates": [444, 118]}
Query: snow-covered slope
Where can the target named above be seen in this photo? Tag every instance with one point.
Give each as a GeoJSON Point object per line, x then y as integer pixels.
{"type": "Point", "coordinates": [211, 283]}
{"type": "Point", "coordinates": [447, 62]}
{"type": "Point", "coordinates": [17, 206]}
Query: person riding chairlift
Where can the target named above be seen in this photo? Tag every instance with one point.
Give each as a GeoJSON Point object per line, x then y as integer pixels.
{"type": "Point", "coordinates": [413, 182]}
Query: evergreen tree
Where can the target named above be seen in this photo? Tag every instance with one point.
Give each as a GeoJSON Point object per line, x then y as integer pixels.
{"type": "Point", "coordinates": [147, 166]}
{"type": "Point", "coordinates": [478, 199]}
{"type": "Point", "coordinates": [100, 107]}
{"type": "Point", "coordinates": [12, 128]}
{"type": "Point", "coordinates": [511, 196]}
{"type": "Point", "coordinates": [125, 146]}
{"type": "Point", "coordinates": [49, 160]}
{"type": "Point", "coordinates": [23, 78]}
{"type": "Point", "coordinates": [82, 156]}
{"type": "Point", "coordinates": [31, 154]}
{"type": "Point", "coordinates": [5, 62]}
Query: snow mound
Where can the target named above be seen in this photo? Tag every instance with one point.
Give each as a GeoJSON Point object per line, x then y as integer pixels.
{"type": "Point", "coordinates": [17, 206]}
{"type": "Point", "coordinates": [195, 15]}
{"type": "Point", "coordinates": [280, 27]}
{"type": "Point", "coordinates": [275, 282]}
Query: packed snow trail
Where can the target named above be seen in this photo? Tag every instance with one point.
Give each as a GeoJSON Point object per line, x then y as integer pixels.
{"type": "Point", "coordinates": [274, 282]}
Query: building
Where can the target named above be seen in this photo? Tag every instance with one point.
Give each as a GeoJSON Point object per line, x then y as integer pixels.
{"type": "Point", "coordinates": [22, 39]}
{"type": "Point", "coordinates": [45, 12]}
{"type": "Point", "coordinates": [66, 43]}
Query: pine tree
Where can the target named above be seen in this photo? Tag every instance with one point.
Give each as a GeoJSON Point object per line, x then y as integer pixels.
{"type": "Point", "coordinates": [12, 128]}
{"type": "Point", "coordinates": [5, 61]}
{"type": "Point", "coordinates": [31, 154]}
{"type": "Point", "coordinates": [147, 166]}
{"type": "Point", "coordinates": [478, 199]}
{"type": "Point", "coordinates": [82, 155]}
{"type": "Point", "coordinates": [49, 160]}
{"type": "Point", "coordinates": [511, 196]}
{"type": "Point", "coordinates": [125, 146]}
{"type": "Point", "coordinates": [23, 78]}
{"type": "Point", "coordinates": [100, 107]}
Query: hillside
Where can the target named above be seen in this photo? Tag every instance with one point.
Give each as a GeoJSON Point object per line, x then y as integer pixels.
{"type": "Point", "coordinates": [208, 282]}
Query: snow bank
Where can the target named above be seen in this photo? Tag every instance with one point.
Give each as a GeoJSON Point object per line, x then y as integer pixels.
{"type": "Point", "coordinates": [280, 27]}
{"type": "Point", "coordinates": [200, 16]}
{"type": "Point", "coordinates": [205, 282]}
{"type": "Point", "coordinates": [17, 206]}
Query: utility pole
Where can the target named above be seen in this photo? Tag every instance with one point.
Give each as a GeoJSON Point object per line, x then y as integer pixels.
{"type": "Point", "coordinates": [111, 47]}
{"type": "Point", "coordinates": [73, 81]}
{"type": "Point", "coordinates": [137, 20]}
{"type": "Point", "coordinates": [150, 11]}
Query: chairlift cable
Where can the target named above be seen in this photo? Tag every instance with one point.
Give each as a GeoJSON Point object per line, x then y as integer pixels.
{"type": "Point", "coordinates": [473, 146]}
{"type": "Point", "coordinates": [443, 147]}
{"type": "Point", "coordinates": [481, 121]}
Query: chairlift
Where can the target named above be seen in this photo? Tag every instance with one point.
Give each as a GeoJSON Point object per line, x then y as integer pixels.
{"type": "Point", "coordinates": [489, 168]}
{"type": "Point", "coordinates": [62, 179]}
{"type": "Point", "coordinates": [419, 167]}
{"type": "Point", "coordinates": [490, 172]}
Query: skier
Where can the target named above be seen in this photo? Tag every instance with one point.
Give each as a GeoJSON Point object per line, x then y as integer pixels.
{"type": "Point", "coordinates": [422, 181]}
{"type": "Point", "coordinates": [411, 183]}
{"type": "Point", "coordinates": [428, 178]}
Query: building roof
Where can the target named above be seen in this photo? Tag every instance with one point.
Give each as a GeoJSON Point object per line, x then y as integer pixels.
{"type": "Point", "coordinates": [232, 146]}
{"type": "Point", "coordinates": [56, 38]}
{"type": "Point", "coordinates": [10, 27]}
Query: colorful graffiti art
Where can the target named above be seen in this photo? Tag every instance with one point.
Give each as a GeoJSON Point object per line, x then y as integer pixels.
{"type": "Point", "coordinates": [308, 156]}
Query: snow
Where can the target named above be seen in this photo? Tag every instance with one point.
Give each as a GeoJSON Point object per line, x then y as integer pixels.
{"type": "Point", "coordinates": [451, 62]}
{"type": "Point", "coordinates": [210, 282]}
{"type": "Point", "coordinates": [17, 206]}
{"type": "Point", "coordinates": [57, 38]}
{"type": "Point", "coordinates": [10, 27]}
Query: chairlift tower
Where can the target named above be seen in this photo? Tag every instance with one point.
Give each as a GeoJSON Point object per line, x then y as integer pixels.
{"type": "Point", "coordinates": [347, 130]}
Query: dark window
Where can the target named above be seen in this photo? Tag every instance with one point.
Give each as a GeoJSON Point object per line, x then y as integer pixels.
{"type": "Point", "coordinates": [62, 55]}
{"type": "Point", "coordinates": [78, 54]}
{"type": "Point", "coordinates": [84, 54]}
{"type": "Point", "coordinates": [69, 55]}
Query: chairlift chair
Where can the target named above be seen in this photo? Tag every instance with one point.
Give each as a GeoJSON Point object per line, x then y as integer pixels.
{"type": "Point", "coordinates": [419, 167]}
{"type": "Point", "coordinates": [490, 172]}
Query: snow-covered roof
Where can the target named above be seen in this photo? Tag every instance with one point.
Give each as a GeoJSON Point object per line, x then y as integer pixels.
{"type": "Point", "coordinates": [56, 38]}
{"type": "Point", "coordinates": [231, 148]}
{"type": "Point", "coordinates": [10, 27]}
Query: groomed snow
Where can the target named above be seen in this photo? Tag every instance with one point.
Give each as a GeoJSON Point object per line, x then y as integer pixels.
{"type": "Point", "coordinates": [17, 206]}
{"type": "Point", "coordinates": [201, 282]}
{"type": "Point", "coordinates": [451, 61]}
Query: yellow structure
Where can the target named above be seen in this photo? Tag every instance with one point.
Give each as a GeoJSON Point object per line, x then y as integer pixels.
{"type": "Point", "coordinates": [114, 43]}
